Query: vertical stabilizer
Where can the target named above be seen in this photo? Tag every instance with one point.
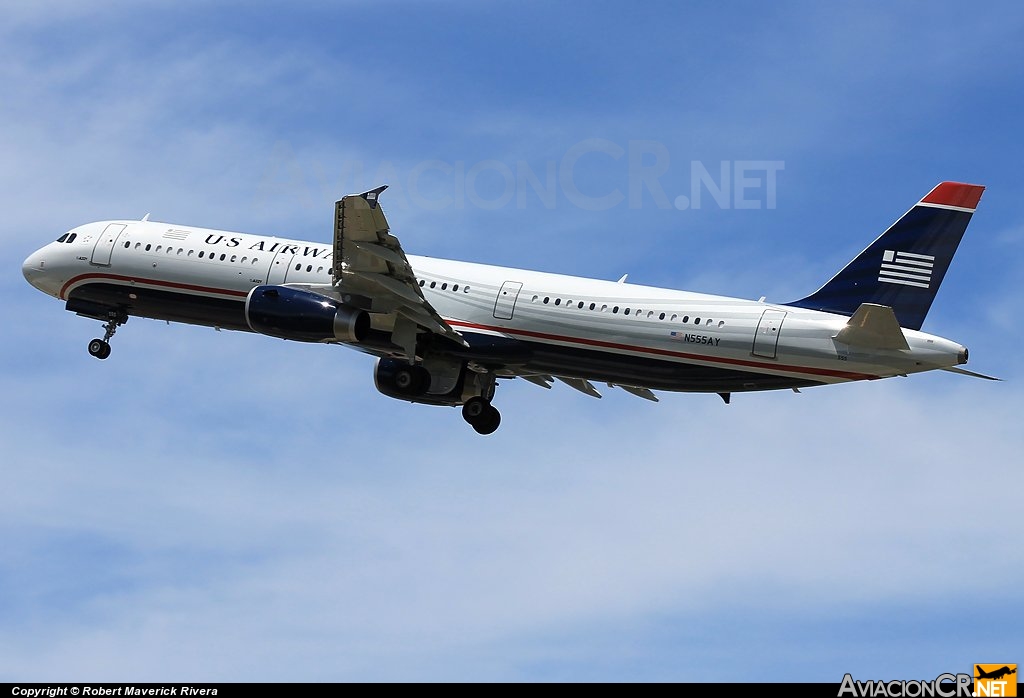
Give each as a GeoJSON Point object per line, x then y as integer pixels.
{"type": "Point", "coordinates": [905, 265]}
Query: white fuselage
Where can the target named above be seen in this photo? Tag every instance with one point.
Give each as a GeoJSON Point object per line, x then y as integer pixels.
{"type": "Point", "coordinates": [603, 323]}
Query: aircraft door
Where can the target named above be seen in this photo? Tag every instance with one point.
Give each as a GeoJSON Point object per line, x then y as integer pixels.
{"type": "Point", "coordinates": [505, 303]}
{"type": "Point", "coordinates": [278, 273]}
{"type": "Point", "coordinates": [104, 247]}
{"type": "Point", "coordinates": [766, 337]}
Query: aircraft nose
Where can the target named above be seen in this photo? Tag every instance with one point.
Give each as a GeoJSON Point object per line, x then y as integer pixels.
{"type": "Point", "coordinates": [27, 267]}
{"type": "Point", "coordinates": [32, 268]}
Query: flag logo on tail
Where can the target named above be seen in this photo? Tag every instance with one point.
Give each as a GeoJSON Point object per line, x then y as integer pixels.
{"type": "Point", "coordinates": [906, 268]}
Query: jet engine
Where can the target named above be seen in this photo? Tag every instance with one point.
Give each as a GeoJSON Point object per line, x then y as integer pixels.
{"type": "Point", "coordinates": [434, 382]}
{"type": "Point", "coordinates": [304, 316]}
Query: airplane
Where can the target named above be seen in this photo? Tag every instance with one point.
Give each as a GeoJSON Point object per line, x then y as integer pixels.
{"type": "Point", "coordinates": [444, 332]}
{"type": "Point", "coordinates": [995, 674]}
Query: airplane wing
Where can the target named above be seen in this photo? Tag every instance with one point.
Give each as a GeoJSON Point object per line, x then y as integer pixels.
{"type": "Point", "coordinates": [370, 265]}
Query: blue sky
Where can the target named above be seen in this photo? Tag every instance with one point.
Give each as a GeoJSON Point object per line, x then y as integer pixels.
{"type": "Point", "coordinates": [208, 506]}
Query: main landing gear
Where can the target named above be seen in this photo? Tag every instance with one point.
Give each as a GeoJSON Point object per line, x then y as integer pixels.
{"type": "Point", "coordinates": [481, 415]}
{"type": "Point", "coordinates": [100, 348]}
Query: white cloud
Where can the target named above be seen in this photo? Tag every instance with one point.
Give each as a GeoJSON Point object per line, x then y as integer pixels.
{"type": "Point", "coordinates": [347, 544]}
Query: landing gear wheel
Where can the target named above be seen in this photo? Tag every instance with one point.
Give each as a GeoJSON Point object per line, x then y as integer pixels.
{"type": "Point", "coordinates": [488, 422]}
{"type": "Point", "coordinates": [474, 408]}
{"type": "Point", "coordinates": [484, 418]}
{"type": "Point", "coordinates": [99, 348]}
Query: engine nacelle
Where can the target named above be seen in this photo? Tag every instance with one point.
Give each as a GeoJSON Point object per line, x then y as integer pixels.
{"type": "Point", "coordinates": [291, 313]}
{"type": "Point", "coordinates": [397, 379]}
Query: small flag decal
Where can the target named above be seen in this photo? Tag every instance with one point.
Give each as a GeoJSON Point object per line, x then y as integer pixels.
{"type": "Point", "coordinates": [906, 268]}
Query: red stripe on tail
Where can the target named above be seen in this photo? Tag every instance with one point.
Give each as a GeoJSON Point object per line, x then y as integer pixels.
{"type": "Point", "coordinates": [955, 194]}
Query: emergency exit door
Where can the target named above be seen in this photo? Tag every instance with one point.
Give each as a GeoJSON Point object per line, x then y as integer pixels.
{"type": "Point", "coordinates": [505, 303]}
{"type": "Point", "coordinates": [766, 337]}
{"type": "Point", "coordinates": [104, 247]}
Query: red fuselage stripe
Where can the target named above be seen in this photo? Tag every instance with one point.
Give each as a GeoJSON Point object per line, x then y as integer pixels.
{"type": "Point", "coordinates": [150, 282]}
{"type": "Point", "coordinates": [507, 330]}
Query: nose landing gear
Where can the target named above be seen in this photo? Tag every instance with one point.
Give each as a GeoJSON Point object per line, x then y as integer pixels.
{"type": "Point", "coordinates": [100, 348]}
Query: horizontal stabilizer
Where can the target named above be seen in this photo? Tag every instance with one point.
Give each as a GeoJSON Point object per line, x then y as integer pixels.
{"type": "Point", "coordinates": [972, 374]}
{"type": "Point", "coordinates": [873, 327]}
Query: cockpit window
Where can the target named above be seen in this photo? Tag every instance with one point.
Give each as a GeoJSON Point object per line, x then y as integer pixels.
{"type": "Point", "coordinates": [71, 238]}
{"type": "Point", "coordinates": [63, 237]}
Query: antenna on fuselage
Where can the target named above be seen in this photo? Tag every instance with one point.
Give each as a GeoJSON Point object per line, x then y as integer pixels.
{"type": "Point", "coordinates": [145, 218]}
{"type": "Point", "coordinates": [623, 279]}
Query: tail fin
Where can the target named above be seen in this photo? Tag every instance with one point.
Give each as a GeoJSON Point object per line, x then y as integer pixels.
{"type": "Point", "coordinates": [905, 265]}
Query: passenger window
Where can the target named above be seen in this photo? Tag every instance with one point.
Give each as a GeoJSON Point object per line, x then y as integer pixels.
{"type": "Point", "coordinates": [309, 268]}
{"type": "Point", "coordinates": [662, 316]}
{"type": "Point", "coordinates": [465, 289]}
{"type": "Point", "coordinates": [223, 257]}
{"type": "Point", "coordinates": [138, 245]}
{"type": "Point", "coordinates": [234, 257]}
{"type": "Point", "coordinates": [593, 305]}
{"type": "Point", "coordinates": [422, 282]}
{"type": "Point", "coordinates": [190, 253]}
{"type": "Point", "coordinates": [148, 248]}
{"type": "Point", "coordinates": [558, 301]}
{"type": "Point", "coordinates": [721, 323]}
{"type": "Point", "coordinates": [127, 244]}
{"type": "Point", "coordinates": [696, 321]}
{"type": "Point", "coordinates": [159, 247]}
{"type": "Point", "coordinates": [580, 306]}
{"type": "Point", "coordinates": [547, 298]}
{"type": "Point", "coordinates": [433, 284]}
{"type": "Point", "coordinates": [535, 299]}
{"type": "Point", "coordinates": [615, 309]}
{"type": "Point", "coordinates": [455, 287]}
{"type": "Point", "coordinates": [626, 311]}
{"type": "Point", "coordinates": [673, 318]}
{"type": "Point", "coordinates": [686, 318]}
{"type": "Point", "coordinates": [201, 253]}
{"type": "Point", "coordinates": [444, 286]}
{"type": "Point", "coordinates": [298, 267]}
